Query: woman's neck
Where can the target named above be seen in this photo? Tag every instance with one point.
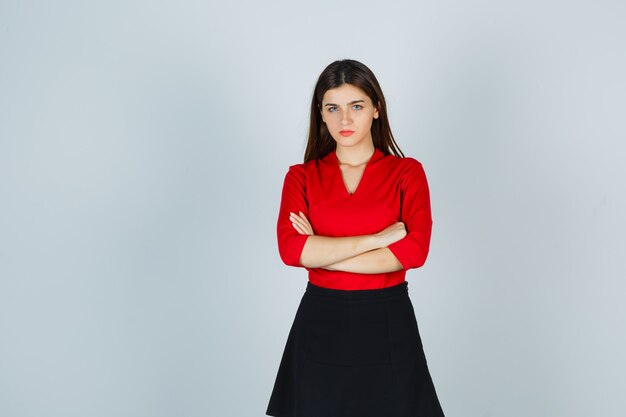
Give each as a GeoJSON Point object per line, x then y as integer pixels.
{"type": "Point", "coordinates": [355, 156]}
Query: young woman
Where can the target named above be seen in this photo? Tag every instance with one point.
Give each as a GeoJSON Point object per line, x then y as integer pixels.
{"type": "Point", "coordinates": [356, 215]}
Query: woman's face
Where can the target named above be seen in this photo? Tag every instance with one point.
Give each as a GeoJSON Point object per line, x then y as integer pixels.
{"type": "Point", "coordinates": [347, 108]}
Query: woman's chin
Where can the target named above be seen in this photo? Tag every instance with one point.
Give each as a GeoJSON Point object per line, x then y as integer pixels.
{"type": "Point", "coordinates": [347, 142]}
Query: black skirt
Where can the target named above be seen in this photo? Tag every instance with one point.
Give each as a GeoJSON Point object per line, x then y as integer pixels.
{"type": "Point", "coordinates": [354, 353]}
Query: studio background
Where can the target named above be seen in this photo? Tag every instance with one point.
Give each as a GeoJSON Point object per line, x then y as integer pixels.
{"type": "Point", "coordinates": [143, 147]}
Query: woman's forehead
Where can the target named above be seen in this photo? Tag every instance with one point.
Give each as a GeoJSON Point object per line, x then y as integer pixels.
{"type": "Point", "coordinates": [344, 94]}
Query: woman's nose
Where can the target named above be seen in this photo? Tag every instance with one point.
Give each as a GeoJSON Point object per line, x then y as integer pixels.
{"type": "Point", "coordinates": [345, 118]}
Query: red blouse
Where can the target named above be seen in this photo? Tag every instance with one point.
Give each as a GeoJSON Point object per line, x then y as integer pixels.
{"type": "Point", "coordinates": [390, 189]}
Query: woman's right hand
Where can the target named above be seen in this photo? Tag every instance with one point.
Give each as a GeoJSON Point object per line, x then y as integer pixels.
{"type": "Point", "coordinates": [391, 234]}
{"type": "Point", "coordinates": [301, 223]}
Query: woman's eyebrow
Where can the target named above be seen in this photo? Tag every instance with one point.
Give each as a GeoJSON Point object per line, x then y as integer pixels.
{"type": "Point", "coordinates": [352, 102]}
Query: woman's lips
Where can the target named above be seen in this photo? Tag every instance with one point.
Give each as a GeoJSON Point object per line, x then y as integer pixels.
{"type": "Point", "coordinates": [346, 132]}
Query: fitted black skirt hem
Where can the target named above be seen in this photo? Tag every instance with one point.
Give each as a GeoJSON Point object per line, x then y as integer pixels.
{"type": "Point", "coordinates": [354, 353]}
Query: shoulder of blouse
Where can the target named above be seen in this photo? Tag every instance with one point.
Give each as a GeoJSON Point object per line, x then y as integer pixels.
{"type": "Point", "coordinates": [299, 171]}
{"type": "Point", "coordinates": [411, 163]}
{"type": "Point", "coordinates": [408, 164]}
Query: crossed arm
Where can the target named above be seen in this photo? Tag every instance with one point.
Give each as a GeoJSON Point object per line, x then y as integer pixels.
{"type": "Point", "coordinates": [365, 254]}
{"type": "Point", "coordinates": [401, 246]}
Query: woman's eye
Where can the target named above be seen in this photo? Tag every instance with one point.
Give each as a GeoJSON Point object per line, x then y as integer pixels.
{"type": "Point", "coordinates": [356, 107]}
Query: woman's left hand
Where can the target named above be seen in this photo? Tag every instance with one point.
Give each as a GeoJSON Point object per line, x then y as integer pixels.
{"type": "Point", "coordinates": [301, 223]}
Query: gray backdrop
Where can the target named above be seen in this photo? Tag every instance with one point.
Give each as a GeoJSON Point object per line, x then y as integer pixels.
{"type": "Point", "coordinates": [142, 153]}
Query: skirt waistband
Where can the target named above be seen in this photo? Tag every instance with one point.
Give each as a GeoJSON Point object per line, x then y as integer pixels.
{"type": "Point", "coordinates": [370, 294]}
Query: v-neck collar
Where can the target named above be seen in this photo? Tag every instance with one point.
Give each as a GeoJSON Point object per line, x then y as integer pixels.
{"type": "Point", "coordinates": [335, 161]}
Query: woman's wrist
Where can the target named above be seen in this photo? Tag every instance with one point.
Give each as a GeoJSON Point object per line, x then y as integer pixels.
{"type": "Point", "coordinates": [374, 241]}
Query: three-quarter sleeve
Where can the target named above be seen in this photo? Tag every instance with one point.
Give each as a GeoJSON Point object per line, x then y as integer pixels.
{"type": "Point", "coordinates": [293, 199]}
{"type": "Point", "coordinates": [412, 250]}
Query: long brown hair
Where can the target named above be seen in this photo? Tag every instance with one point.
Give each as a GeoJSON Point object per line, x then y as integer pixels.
{"type": "Point", "coordinates": [348, 71]}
